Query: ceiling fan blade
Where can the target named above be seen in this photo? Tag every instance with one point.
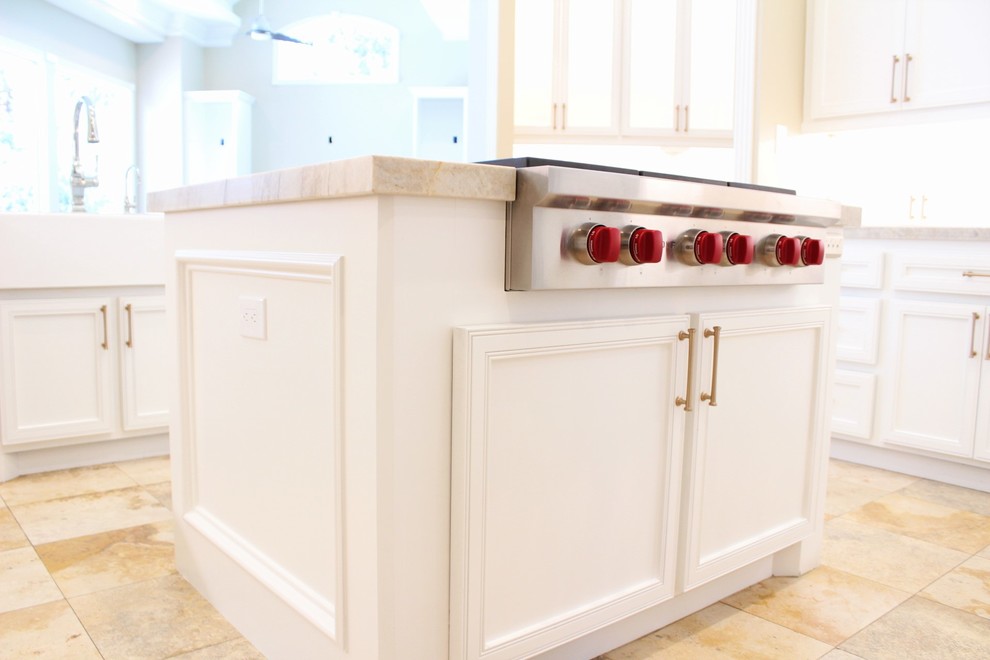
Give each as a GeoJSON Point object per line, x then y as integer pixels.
{"type": "Point", "coordinates": [284, 37]}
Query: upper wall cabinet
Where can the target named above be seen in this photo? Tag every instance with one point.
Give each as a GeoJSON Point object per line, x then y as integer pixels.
{"type": "Point", "coordinates": [597, 69]}
{"type": "Point", "coordinates": [567, 77]}
{"type": "Point", "coordinates": [885, 56]}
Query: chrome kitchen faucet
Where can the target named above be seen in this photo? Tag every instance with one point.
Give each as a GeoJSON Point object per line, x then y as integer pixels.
{"type": "Point", "coordinates": [79, 179]}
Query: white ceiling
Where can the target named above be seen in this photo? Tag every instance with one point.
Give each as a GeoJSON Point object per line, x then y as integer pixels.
{"type": "Point", "coordinates": [213, 22]}
{"type": "Point", "coordinates": [204, 22]}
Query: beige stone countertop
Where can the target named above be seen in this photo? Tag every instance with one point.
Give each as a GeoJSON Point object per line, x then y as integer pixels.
{"type": "Point", "coordinates": [353, 177]}
{"type": "Point", "coordinates": [920, 233]}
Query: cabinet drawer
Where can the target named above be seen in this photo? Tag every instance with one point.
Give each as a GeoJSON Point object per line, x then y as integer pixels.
{"type": "Point", "coordinates": [941, 273]}
{"type": "Point", "coordinates": [853, 404]}
{"type": "Point", "coordinates": [859, 330]}
{"type": "Point", "coordinates": [861, 269]}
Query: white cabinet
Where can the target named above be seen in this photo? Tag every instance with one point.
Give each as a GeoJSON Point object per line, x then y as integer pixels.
{"type": "Point", "coordinates": [144, 366]}
{"type": "Point", "coordinates": [217, 135]}
{"type": "Point", "coordinates": [939, 360]}
{"type": "Point", "coordinates": [60, 358]}
{"type": "Point", "coordinates": [57, 376]}
{"type": "Point", "coordinates": [750, 471]}
{"type": "Point", "coordinates": [563, 522]}
{"type": "Point", "coordinates": [879, 56]}
{"type": "Point", "coordinates": [648, 479]}
{"type": "Point", "coordinates": [615, 68]}
{"type": "Point", "coordinates": [679, 67]}
{"type": "Point", "coordinates": [566, 72]}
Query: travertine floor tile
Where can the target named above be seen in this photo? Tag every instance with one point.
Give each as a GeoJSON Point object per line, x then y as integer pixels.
{"type": "Point", "coordinates": [148, 470]}
{"type": "Point", "coordinates": [826, 604]}
{"type": "Point", "coordinates": [161, 492]}
{"type": "Point", "coordinates": [869, 476]}
{"type": "Point", "coordinates": [54, 520]}
{"type": "Point", "coordinates": [64, 483]}
{"type": "Point", "coordinates": [948, 495]}
{"type": "Point", "coordinates": [721, 631]}
{"type": "Point", "coordinates": [839, 654]}
{"type": "Point", "coordinates": [49, 631]}
{"type": "Point", "coordinates": [25, 580]}
{"type": "Point", "coordinates": [921, 519]}
{"type": "Point", "coordinates": [923, 630]}
{"type": "Point", "coordinates": [11, 535]}
{"type": "Point", "coordinates": [966, 588]}
{"type": "Point", "coordinates": [844, 496]}
{"type": "Point", "coordinates": [895, 560]}
{"type": "Point", "coordinates": [985, 552]}
{"type": "Point", "coordinates": [238, 649]}
{"type": "Point", "coordinates": [110, 559]}
{"type": "Point", "coordinates": [154, 619]}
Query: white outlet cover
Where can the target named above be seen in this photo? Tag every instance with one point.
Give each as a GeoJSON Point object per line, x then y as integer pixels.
{"type": "Point", "coordinates": [252, 317]}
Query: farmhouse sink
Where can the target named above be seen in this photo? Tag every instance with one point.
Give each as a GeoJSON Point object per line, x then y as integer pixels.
{"type": "Point", "coordinates": [59, 250]}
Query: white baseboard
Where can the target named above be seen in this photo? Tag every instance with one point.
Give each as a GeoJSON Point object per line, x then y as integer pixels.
{"type": "Point", "coordinates": [14, 464]}
{"type": "Point", "coordinates": [927, 467]}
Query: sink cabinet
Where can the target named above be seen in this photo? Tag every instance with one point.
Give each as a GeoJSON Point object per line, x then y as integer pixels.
{"type": "Point", "coordinates": [81, 367]}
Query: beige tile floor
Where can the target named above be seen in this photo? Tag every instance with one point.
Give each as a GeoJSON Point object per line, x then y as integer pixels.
{"type": "Point", "coordinates": [86, 571]}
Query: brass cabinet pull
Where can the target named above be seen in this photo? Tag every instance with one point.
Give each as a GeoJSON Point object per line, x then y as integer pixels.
{"type": "Point", "coordinates": [987, 357]}
{"type": "Point", "coordinates": [972, 336]}
{"type": "Point", "coordinates": [563, 116]}
{"type": "Point", "coordinates": [677, 119]}
{"type": "Point", "coordinates": [924, 200]}
{"type": "Point", "coordinates": [553, 115]}
{"type": "Point", "coordinates": [907, 66]}
{"type": "Point", "coordinates": [911, 208]}
{"type": "Point", "coordinates": [970, 273]}
{"type": "Point", "coordinates": [687, 118]}
{"type": "Point", "coordinates": [106, 341]}
{"type": "Point", "coordinates": [130, 326]}
{"type": "Point", "coordinates": [686, 400]}
{"type": "Point", "coordinates": [716, 333]}
{"type": "Point", "coordinates": [893, 77]}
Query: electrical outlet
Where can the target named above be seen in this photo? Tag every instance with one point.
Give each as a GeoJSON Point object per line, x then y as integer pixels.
{"type": "Point", "coordinates": [833, 243]}
{"type": "Point", "coordinates": [252, 318]}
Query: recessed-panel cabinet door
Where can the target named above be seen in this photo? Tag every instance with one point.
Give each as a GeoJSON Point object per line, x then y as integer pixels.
{"type": "Point", "coordinates": [57, 375]}
{"type": "Point", "coordinates": [856, 56]}
{"type": "Point", "coordinates": [935, 376]}
{"type": "Point", "coordinates": [753, 468]}
{"type": "Point", "coordinates": [535, 56]}
{"type": "Point", "coordinates": [710, 70]}
{"type": "Point", "coordinates": [144, 362]}
{"type": "Point", "coordinates": [566, 463]}
{"type": "Point", "coordinates": [947, 53]}
{"type": "Point", "coordinates": [589, 93]}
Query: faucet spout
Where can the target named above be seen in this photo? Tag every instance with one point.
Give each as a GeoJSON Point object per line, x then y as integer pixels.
{"type": "Point", "coordinates": [131, 206]}
{"type": "Point", "coordinates": [79, 180]}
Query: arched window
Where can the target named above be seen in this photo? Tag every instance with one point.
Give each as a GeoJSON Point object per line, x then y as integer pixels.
{"type": "Point", "coordinates": [346, 49]}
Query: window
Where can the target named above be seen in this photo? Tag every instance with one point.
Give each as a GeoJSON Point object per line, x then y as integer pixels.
{"type": "Point", "coordinates": [38, 95]}
{"type": "Point", "coordinates": [22, 132]}
{"type": "Point", "coordinates": [346, 49]}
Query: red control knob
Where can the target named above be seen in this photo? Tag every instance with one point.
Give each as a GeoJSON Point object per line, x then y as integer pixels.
{"type": "Point", "coordinates": [645, 246]}
{"type": "Point", "coordinates": [812, 252]}
{"type": "Point", "coordinates": [697, 247]}
{"type": "Point", "coordinates": [789, 251]}
{"type": "Point", "coordinates": [708, 248]}
{"type": "Point", "coordinates": [739, 249]}
{"type": "Point", "coordinates": [604, 244]}
{"type": "Point", "coordinates": [780, 250]}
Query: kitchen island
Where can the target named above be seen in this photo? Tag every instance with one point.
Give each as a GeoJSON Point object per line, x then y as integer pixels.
{"type": "Point", "coordinates": [381, 452]}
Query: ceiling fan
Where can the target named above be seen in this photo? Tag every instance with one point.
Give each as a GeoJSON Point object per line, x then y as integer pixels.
{"type": "Point", "coordinates": [261, 30]}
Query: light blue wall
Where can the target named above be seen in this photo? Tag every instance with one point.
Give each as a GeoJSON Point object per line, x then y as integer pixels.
{"type": "Point", "coordinates": [292, 122]}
